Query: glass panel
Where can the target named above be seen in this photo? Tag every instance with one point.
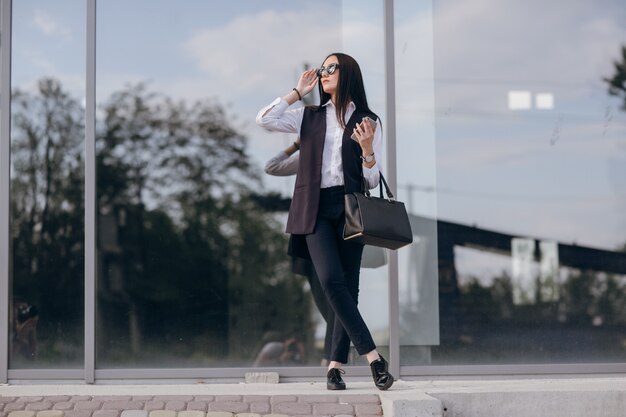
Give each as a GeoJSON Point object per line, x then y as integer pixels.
{"type": "Point", "coordinates": [531, 158]}
{"type": "Point", "coordinates": [47, 183]}
{"type": "Point", "coordinates": [419, 319]}
{"type": "Point", "coordinates": [192, 264]}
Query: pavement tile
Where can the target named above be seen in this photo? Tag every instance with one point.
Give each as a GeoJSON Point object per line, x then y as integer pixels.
{"type": "Point", "coordinates": [50, 413]}
{"type": "Point", "coordinates": [64, 406]}
{"type": "Point", "coordinates": [247, 415]}
{"type": "Point", "coordinates": [277, 399]}
{"type": "Point", "coordinates": [81, 398]}
{"type": "Point", "coordinates": [7, 399]}
{"type": "Point", "coordinates": [106, 413]}
{"type": "Point", "coordinates": [57, 398]}
{"type": "Point", "coordinates": [167, 398]}
{"type": "Point", "coordinates": [230, 406]}
{"type": "Point", "coordinates": [87, 405]}
{"type": "Point", "coordinates": [206, 398]}
{"type": "Point", "coordinates": [219, 414]}
{"type": "Point", "coordinates": [142, 397]}
{"type": "Point", "coordinates": [369, 409]}
{"type": "Point", "coordinates": [113, 398]}
{"type": "Point", "coordinates": [197, 406]}
{"type": "Point", "coordinates": [22, 413]}
{"type": "Point", "coordinates": [154, 405]}
{"type": "Point", "coordinates": [28, 399]}
{"type": "Point", "coordinates": [78, 413]}
{"type": "Point", "coordinates": [8, 408]}
{"type": "Point", "coordinates": [332, 409]}
{"type": "Point", "coordinates": [191, 414]}
{"type": "Point", "coordinates": [359, 399]}
{"type": "Point", "coordinates": [318, 398]}
{"type": "Point", "coordinates": [134, 413]}
{"type": "Point", "coordinates": [175, 405]}
{"type": "Point", "coordinates": [292, 408]}
{"type": "Point", "coordinates": [39, 406]}
{"type": "Point", "coordinates": [122, 405]}
{"type": "Point", "coordinates": [228, 398]}
{"type": "Point", "coordinates": [162, 413]}
{"type": "Point", "coordinates": [256, 399]}
{"type": "Point", "coordinates": [275, 415]}
{"type": "Point", "coordinates": [260, 408]}
{"type": "Point", "coordinates": [367, 415]}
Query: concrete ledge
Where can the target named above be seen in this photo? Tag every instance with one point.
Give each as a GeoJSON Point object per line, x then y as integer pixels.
{"type": "Point", "coordinates": [410, 404]}
{"type": "Point", "coordinates": [535, 403]}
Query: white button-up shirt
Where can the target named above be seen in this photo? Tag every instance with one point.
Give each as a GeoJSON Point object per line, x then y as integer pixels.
{"type": "Point", "coordinates": [275, 117]}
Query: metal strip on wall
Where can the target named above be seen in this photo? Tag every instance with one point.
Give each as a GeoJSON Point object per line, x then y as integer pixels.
{"type": "Point", "coordinates": [5, 183]}
{"type": "Point", "coordinates": [390, 116]}
{"type": "Point", "coordinates": [90, 195]}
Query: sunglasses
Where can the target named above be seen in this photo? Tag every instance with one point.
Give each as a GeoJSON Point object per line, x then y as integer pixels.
{"type": "Point", "coordinates": [329, 69]}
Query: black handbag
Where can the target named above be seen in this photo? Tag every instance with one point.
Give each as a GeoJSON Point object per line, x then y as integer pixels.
{"type": "Point", "coordinates": [377, 221]}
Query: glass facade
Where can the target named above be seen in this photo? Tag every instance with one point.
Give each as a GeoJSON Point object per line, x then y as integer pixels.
{"type": "Point", "coordinates": [506, 134]}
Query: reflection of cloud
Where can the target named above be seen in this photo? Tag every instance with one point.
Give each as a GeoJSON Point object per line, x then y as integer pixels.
{"type": "Point", "coordinates": [523, 45]}
{"type": "Point", "coordinates": [49, 26]}
{"type": "Point", "coordinates": [254, 52]}
{"type": "Point", "coordinates": [38, 60]}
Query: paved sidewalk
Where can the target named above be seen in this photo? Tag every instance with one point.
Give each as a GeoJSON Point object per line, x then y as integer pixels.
{"type": "Point", "coordinates": [206, 400]}
{"type": "Point", "coordinates": [581, 396]}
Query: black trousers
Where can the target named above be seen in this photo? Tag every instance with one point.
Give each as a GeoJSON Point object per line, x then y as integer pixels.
{"type": "Point", "coordinates": [337, 264]}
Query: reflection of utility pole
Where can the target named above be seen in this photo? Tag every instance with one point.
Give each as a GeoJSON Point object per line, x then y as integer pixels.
{"type": "Point", "coordinates": [410, 188]}
{"type": "Point", "coordinates": [409, 191]}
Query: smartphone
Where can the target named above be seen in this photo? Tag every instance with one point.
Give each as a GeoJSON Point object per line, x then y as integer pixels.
{"type": "Point", "coordinates": [368, 120]}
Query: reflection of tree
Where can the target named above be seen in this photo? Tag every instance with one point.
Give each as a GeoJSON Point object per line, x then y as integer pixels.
{"type": "Point", "coordinates": [47, 205]}
{"type": "Point", "coordinates": [586, 322]}
{"type": "Point", "coordinates": [617, 83]}
{"type": "Point", "coordinates": [188, 263]}
{"type": "Point", "coordinates": [193, 246]}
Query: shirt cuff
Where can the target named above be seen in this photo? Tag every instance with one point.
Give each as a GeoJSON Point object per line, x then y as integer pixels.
{"type": "Point", "coordinates": [372, 175]}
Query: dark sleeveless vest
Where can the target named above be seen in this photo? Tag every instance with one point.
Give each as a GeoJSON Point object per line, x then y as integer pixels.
{"type": "Point", "coordinates": [306, 195]}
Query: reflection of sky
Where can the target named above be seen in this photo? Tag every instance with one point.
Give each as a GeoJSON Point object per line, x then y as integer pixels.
{"type": "Point", "coordinates": [557, 174]}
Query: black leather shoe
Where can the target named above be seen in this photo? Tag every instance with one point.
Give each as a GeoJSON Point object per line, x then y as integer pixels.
{"type": "Point", "coordinates": [334, 380]}
{"type": "Point", "coordinates": [380, 372]}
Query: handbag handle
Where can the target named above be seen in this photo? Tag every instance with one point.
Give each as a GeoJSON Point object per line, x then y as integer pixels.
{"type": "Point", "coordinates": [381, 182]}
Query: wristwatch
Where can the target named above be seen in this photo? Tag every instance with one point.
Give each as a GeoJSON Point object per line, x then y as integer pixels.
{"type": "Point", "coordinates": [368, 158]}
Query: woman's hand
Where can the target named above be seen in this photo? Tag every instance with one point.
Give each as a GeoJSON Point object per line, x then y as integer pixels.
{"type": "Point", "coordinates": [364, 132]}
{"type": "Point", "coordinates": [307, 82]}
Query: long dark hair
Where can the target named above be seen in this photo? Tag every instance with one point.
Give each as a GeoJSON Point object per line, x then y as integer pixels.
{"type": "Point", "coordinates": [349, 87]}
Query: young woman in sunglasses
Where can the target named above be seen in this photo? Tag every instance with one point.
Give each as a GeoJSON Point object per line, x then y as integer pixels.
{"type": "Point", "coordinates": [340, 150]}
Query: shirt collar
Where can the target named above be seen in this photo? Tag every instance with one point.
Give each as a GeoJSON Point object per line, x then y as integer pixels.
{"type": "Point", "coordinates": [351, 105]}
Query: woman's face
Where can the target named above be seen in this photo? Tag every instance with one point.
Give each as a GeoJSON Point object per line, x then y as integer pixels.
{"type": "Point", "coordinates": [330, 81]}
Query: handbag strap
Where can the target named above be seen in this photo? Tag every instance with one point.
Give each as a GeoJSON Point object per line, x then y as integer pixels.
{"type": "Point", "coordinates": [381, 182]}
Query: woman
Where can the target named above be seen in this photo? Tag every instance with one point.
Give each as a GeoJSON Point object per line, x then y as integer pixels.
{"type": "Point", "coordinates": [332, 164]}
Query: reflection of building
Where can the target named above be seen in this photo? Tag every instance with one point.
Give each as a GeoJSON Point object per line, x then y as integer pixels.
{"type": "Point", "coordinates": [427, 307]}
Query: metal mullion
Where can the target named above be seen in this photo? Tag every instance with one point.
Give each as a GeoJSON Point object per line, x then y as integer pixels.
{"type": "Point", "coordinates": [5, 186]}
{"type": "Point", "coordinates": [90, 194]}
{"type": "Point", "coordinates": [390, 140]}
